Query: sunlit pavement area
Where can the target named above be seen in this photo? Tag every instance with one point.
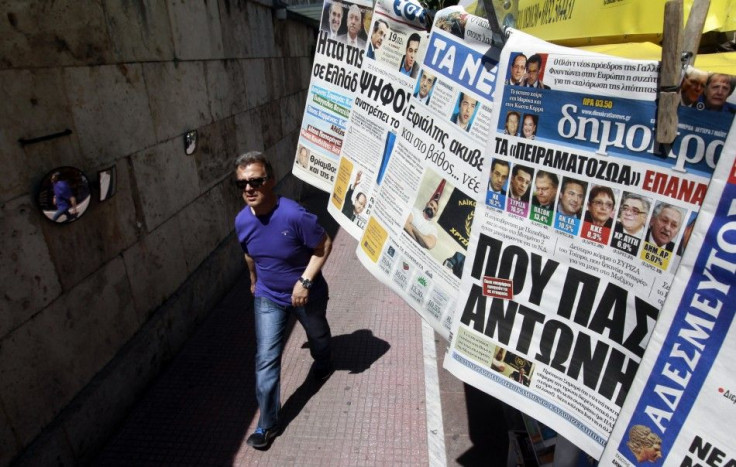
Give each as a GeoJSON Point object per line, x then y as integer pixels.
{"type": "Point", "coordinates": [389, 401]}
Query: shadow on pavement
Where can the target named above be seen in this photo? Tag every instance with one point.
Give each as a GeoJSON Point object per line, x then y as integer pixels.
{"type": "Point", "coordinates": [356, 352]}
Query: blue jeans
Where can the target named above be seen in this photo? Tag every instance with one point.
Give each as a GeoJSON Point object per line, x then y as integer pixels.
{"type": "Point", "coordinates": [271, 319]}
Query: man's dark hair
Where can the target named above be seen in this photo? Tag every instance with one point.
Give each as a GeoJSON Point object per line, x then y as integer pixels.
{"type": "Point", "coordinates": [645, 202]}
{"type": "Point", "coordinates": [379, 21]}
{"type": "Point", "coordinates": [513, 112]}
{"type": "Point", "coordinates": [550, 176]}
{"type": "Point", "coordinates": [536, 58]}
{"type": "Point", "coordinates": [253, 157]}
{"type": "Point", "coordinates": [499, 162]}
{"type": "Point", "coordinates": [523, 168]}
{"type": "Point", "coordinates": [413, 38]}
{"type": "Point", "coordinates": [568, 181]}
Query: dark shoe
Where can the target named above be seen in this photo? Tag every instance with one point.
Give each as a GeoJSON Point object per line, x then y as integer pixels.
{"type": "Point", "coordinates": [323, 374]}
{"type": "Point", "coordinates": [261, 438]}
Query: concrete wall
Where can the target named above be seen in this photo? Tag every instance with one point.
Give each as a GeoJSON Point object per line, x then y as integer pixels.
{"type": "Point", "coordinates": [91, 311]}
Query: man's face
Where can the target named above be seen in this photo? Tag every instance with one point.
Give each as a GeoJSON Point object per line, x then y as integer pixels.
{"type": "Point", "coordinates": [600, 208]}
{"type": "Point", "coordinates": [520, 183]}
{"type": "Point", "coordinates": [499, 175]}
{"type": "Point", "coordinates": [425, 84]}
{"type": "Point", "coordinates": [633, 215]}
{"type": "Point", "coordinates": [467, 107]}
{"type": "Point", "coordinates": [411, 53]}
{"type": "Point", "coordinates": [665, 226]}
{"type": "Point", "coordinates": [353, 21]}
{"type": "Point", "coordinates": [571, 198]}
{"type": "Point", "coordinates": [430, 209]}
{"type": "Point", "coordinates": [532, 72]}
{"type": "Point", "coordinates": [546, 191]}
{"type": "Point", "coordinates": [335, 16]}
{"type": "Point", "coordinates": [256, 197]}
{"type": "Point", "coordinates": [512, 124]}
{"type": "Point", "coordinates": [693, 86]}
{"type": "Point", "coordinates": [518, 68]}
{"type": "Point", "coordinates": [717, 91]}
{"type": "Point", "coordinates": [359, 204]}
{"type": "Point", "coordinates": [303, 156]}
{"type": "Point", "coordinates": [529, 127]}
{"type": "Point", "coordinates": [377, 36]}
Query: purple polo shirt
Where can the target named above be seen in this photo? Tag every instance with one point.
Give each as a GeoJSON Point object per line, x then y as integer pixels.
{"type": "Point", "coordinates": [281, 244]}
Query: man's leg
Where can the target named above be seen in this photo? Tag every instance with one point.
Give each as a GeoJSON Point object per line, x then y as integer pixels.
{"type": "Point", "coordinates": [313, 318]}
{"type": "Point", "coordinates": [270, 320]}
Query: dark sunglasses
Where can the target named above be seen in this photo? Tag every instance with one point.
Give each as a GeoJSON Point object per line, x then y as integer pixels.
{"type": "Point", "coordinates": [253, 182]}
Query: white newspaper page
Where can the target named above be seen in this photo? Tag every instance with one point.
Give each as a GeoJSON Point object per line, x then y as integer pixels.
{"type": "Point", "coordinates": [335, 75]}
{"type": "Point", "coordinates": [396, 46]}
{"type": "Point", "coordinates": [417, 235]}
{"type": "Point", "coordinates": [576, 240]}
{"type": "Point", "coordinates": [682, 406]}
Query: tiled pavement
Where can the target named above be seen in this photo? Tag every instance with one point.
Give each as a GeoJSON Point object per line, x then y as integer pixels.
{"type": "Point", "coordinates": [381, 407]}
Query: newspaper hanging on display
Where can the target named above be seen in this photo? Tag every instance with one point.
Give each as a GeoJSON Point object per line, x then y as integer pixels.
{"type": "Point", "coordinates": [417, 234]}
{"type": "Point", "coordinates": [335, 74]}
{"type": "Point", "coordinates": [575, 242]}
{"type": "Point", "coordinates": [396, 46]}
{"type": "Point", "coordinates": [681, 410]}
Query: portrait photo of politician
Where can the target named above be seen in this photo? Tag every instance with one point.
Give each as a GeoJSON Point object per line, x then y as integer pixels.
{"type": "Point", "coordinates": [355, 34]}
{"type": "Point", "coordinates": [718, 87]}
{"type": "Point", "coordinates": [692, 86]}
{"type": "Point", "coordinates": [664, 225]}
{"type": "Point", "coordinates": [498, 177]}
{"type": "Point", "coordinates": [355, 201]}
{"type": "Point", "coordinates": [632, 214]}
{"type": "Point", "coordinates": [545, 189]}
{"type": "Point", "coordinates": [465, 111]}
{"type": "Point", "coordinates": [533, 72]}
{"type": "Point", "coordinates": [521, 178]}
{"type": "Point", "coordinates": [409, 65]}
{"type": "Point", "coordinates": [424, 87]}
{"type": "Point", "coordinates": [529, 126]}
{"type": "Point", "coordinates": [378, 33]}
{"type": "Point", "coordinates": [601, 202]}
{"type": "Point", "coordinates": [571, 197]}
{"type": "Point", "coordinates": [332, 19]}
{"type": "Point", "coordinates": [511, 127]}
{"type": "Point", "coordinates": [302, 157]}
{"type": "Point", "coordinates": [517, 70]}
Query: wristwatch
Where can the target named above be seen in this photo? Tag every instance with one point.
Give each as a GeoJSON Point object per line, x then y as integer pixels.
{"type": "Point", "coordinates": [306, 283]}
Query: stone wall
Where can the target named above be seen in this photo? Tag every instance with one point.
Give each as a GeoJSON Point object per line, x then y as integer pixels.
{"type": "Point", "coordinates": [92, 310]}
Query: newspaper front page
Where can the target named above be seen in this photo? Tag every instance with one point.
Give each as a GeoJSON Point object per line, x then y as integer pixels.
{"type": "Point", "coordinates": [576, 240]}
{"type": "Point", "coordinates": [338, 57]}
{"type": "Point", "coordinates": [680, 411]}
{"type": "Point", "coordinates": [396, 46]}
{"type": "Point", "coordinates": [417, 235]}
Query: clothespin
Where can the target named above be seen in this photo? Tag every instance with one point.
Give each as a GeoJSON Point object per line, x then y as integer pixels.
{"type": "Point", "coordinates": [670, 73]}
{"type": "Point", "coordinates": [678, 50]}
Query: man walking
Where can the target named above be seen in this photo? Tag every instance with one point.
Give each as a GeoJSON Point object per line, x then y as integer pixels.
{"type": "Point", "coordinates": [285, 249]}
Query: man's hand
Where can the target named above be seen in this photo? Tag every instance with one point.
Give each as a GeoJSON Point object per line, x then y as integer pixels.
{"type": "Point", "coordinates": [299, 295]}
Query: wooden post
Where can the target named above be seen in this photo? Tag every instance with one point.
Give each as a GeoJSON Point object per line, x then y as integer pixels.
{"type": "Point", "coordinates": [669, 78]}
